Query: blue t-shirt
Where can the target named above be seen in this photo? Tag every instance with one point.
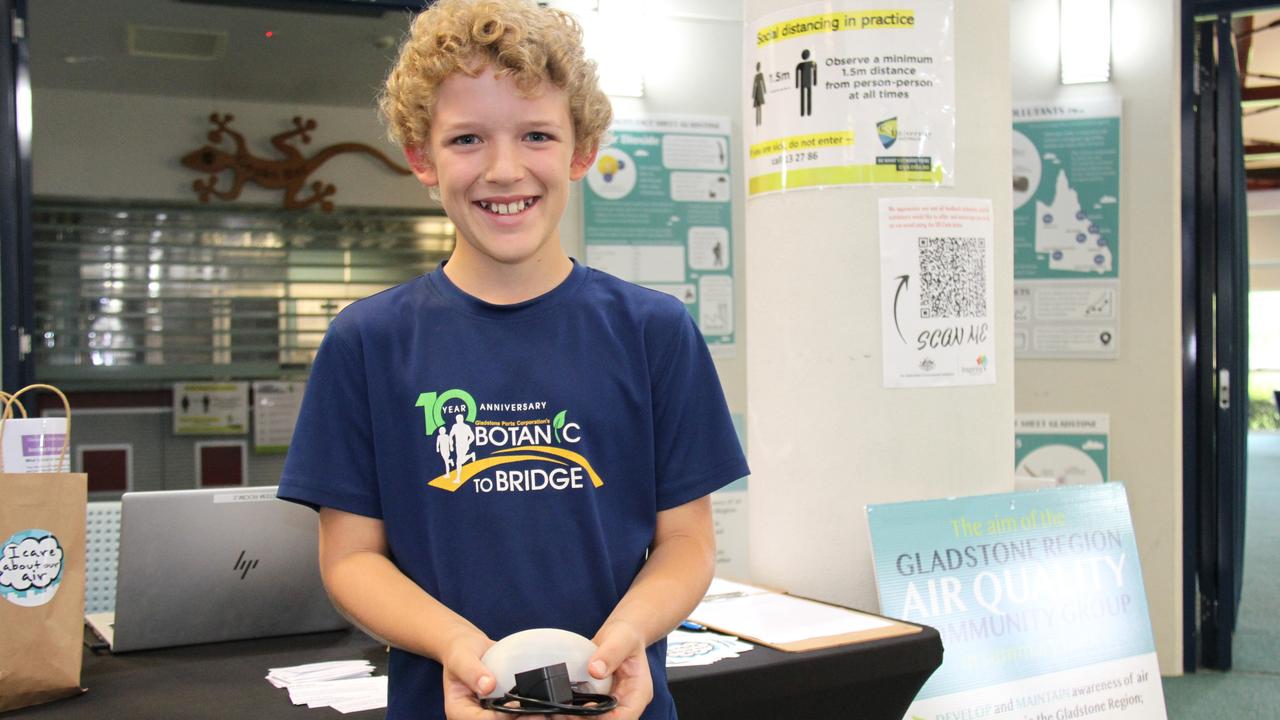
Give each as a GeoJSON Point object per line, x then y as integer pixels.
{"type": "Point", "coordinates": [517, 455]}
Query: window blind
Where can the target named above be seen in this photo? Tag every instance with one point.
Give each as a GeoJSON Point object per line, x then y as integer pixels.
{"type": "Point", "coordinates": [154, 293]}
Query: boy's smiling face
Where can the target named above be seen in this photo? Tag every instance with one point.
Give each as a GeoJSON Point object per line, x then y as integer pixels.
{"type": "Point", "coordinates": [503, 164]}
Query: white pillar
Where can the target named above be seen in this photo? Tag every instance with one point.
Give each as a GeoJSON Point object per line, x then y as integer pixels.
{"type": "Point", "coordinates": [825, 438]}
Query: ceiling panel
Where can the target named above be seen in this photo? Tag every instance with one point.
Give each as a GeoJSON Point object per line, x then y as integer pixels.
{"type": "Point", "coordinates": [324, 59]}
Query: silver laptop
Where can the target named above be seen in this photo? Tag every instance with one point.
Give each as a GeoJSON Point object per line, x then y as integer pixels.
{"type": "Point", "coordinates": [199, 566]}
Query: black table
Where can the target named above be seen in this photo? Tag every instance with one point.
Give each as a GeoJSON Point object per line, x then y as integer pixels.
{"type": "Point", "coordinates": [872, 680]}
{"type": "Point", "coordinates": [876, 679]}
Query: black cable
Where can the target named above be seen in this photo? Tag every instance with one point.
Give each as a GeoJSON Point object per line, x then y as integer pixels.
{"type": "Point", "coordinates": [533, 706]}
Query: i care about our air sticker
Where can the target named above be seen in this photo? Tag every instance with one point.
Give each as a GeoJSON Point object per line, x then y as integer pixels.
{"type": "Point", "coordinates": [30, 567]}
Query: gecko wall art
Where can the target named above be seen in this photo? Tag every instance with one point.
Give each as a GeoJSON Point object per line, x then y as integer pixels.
{"type": "Point", "coordinates": [290, 173]}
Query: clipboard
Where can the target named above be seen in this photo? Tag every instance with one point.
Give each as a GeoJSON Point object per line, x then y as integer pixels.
{"type": "Point", "coordinates": [788, 622]}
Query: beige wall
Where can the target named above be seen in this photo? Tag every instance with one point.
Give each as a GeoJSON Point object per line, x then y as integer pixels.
{"type": "Point", "coordinates": [825, 436]}
{"type": "Point", "coordinates": [128, 147]}
{"type": "Point", "coordinates": [1141, 390]}
{"type": "Point", "coordinates": [93, 145]}
{"type": "Point", "coordinates": [1264, 241]}
{"type": "Point", "coordinates": [694, 74]}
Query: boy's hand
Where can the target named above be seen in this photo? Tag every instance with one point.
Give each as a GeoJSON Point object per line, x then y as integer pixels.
{"type": "Point", "coordinates": [621, 655]}
{"type": "Point", "coordinates": [466, 679]}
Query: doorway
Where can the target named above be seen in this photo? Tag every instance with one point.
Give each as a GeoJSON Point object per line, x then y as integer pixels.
{"type": "Point", "coordinates": [1231, 142]}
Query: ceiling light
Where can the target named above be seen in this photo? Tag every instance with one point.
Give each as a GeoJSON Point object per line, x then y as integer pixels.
{"type": "Point", "coordinates": [1085, 41]}
{"type": "Point", "coordinates": [175, 43]}
{"type": "Point", "coordinates": [612, 37]}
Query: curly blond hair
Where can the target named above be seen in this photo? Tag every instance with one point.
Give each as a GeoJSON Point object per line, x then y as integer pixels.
{"type": "Point", "coordinates": [520, 40]}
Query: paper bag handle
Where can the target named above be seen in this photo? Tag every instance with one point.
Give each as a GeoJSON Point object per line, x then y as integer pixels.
{"type": "Point", "coordinates": [8, 413]}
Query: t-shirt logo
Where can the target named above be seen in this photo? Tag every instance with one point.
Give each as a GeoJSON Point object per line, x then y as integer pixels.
{"type": "Point", "coordinates": [482, 449]}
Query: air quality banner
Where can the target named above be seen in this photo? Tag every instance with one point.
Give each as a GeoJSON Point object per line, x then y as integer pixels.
{"type": "Point", "coordinates": [850, 92]}
{"type": "Point", "coordinates": [1038, 597]}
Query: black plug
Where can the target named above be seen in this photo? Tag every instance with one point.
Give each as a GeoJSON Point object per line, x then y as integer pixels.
{"type": "Point", "coordinates": [550, 684]}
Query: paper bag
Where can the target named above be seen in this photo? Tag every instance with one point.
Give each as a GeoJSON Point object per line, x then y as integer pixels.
{"type": "Point", "coordinates": [42, 575]}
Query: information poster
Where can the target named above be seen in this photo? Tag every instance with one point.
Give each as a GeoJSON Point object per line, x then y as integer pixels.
{"type": "Point", "coordinates": [937, 293]}
{"type": "Point", "coordinates": [729, 513]}
{"type": "Point", "coordinates": [1055, 450]}
{"type": "Point", "coordinates": [36, 445]}
{"type": "Point", "coordinates": [275, 414]}
{"type": "Point", "coordinates": [211, 408]}
{"type": "Point", "coordinates": [1066, 227]}
{"type": "Point", "coordinates": [850, 92]}
{"type": "Point", "coordinates": [659, 213]}
{"type": "Point", "coordinates": [1038, 597]}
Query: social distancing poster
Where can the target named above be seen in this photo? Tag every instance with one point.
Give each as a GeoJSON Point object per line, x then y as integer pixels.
{"type": "Point", "coordinates": [210, 408]}
{"type": "Point", "coordinates": [850, 93]}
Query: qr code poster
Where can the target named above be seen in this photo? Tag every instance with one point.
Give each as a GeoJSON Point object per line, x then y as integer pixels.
{"type": "Point", "coordinates": [937, 292]}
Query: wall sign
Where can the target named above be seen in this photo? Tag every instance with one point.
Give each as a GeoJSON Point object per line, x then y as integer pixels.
{"type": "Point", "coordinates": [1066, 229]}
{"type": "Point", "coordinates": [850, 92]}
{"type": "Point", "coordinates": [1061, 449]}
{"type": "Point", "coordinates": [1038, 597]}
{"type": "Point", "coordinates": [211, 408]}
{"type": "Point", "coordinates": [658, 209]}
{"type": "Point", "coordinates": [937, 292]}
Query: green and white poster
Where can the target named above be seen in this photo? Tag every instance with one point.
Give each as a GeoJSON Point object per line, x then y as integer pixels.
{"type": "Point", "coordinates": [210, 408]}
{"type": "Point", "coordinates": [1038, 597]}
{"type": "Point", "coordinates": [1066, 228]}
{"type": "Point", "coordinates": [659, 212]}
{"type": "Point", "coordinates": [1055, 450]}
{"type": "Point", "coordinates": [275, 415]}
{"type": "Point", "coordinates": [850, 92]}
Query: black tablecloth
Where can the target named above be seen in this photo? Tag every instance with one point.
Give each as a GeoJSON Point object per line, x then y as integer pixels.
{"type": "Point", "coordinates": [877, 679]}
{"type": "Point", "coordinates": [865, 681]}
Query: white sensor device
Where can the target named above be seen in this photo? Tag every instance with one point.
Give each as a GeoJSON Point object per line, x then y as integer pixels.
{"type": "Point", "coordinates": [538, 648]}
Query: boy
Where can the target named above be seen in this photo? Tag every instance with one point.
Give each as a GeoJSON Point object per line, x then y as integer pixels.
{"type": "Point", "coordinates": [585, 421]}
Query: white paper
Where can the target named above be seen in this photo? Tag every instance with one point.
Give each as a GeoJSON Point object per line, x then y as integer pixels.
{"type": "Point", "coordinates": [345, 685]}
{"type": "Point", "coordinates": [275, 414]}
{"type": "Point", "coordinates": [729, 513]}
{"type": "Point", "coordinates": [722, 589]}
{"type": "Point", "coordinates": [937, 292]}
{"type": "Point", "coordinates": [778, 619]}
{"type": "Point", "coordinates": [850, 92]}
{"type": "Point", "coordinates": [686, 649]}
{"type": "Point", "coordinates": [33, 445]}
